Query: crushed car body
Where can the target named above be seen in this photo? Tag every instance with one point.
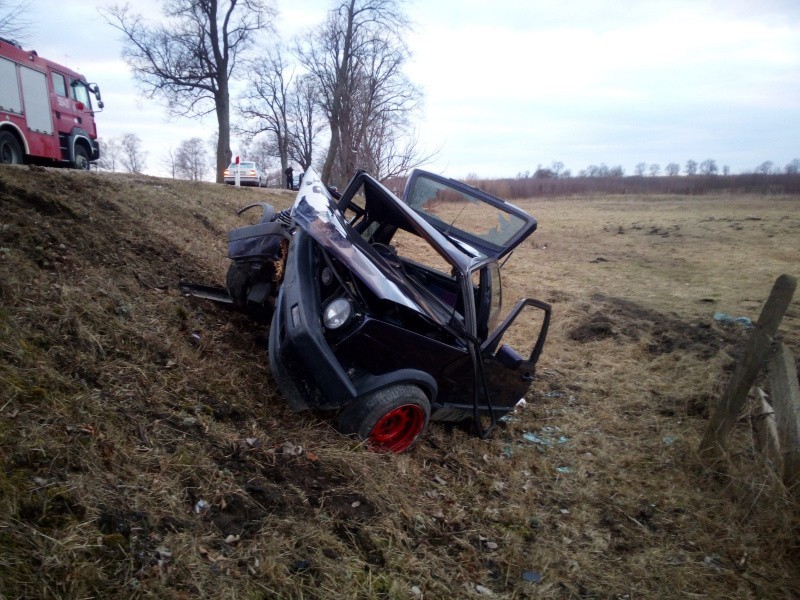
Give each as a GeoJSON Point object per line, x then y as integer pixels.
{"type": "Point", "coordinates": [386, 310]}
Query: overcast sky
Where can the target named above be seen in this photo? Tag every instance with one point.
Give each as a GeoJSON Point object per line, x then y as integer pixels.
{"type": "Point", "coordinates": [515, 84]}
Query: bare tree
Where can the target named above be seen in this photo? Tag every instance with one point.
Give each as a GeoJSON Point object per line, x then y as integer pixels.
{"type": "Point", "coordinates": [672, 169]}
{"type": "Point", "coordinates": [285, 108]}
{"type": "Point", "coordinates": [655, 169]}
{"type": "Point", "coordinates": [793, 167]}
{"type": "Point", "coordinates": [382, 139]}
{"type": "Point", "coordinates": [640, 169]}
{"type": "Point", "coordinates": [708, 167]}
{"type": "Point", "coordinates": [189, 57]}
{"type": "Point", "coordinates": [306, 123]}
{"type": "Point", "coordinates": [132, 157]}
{"type": "Point", "coordinates": [356, 57]}
{"type": "Point", "coordinates": [213, 142]}
{"type": "Point", "coordinates": [191, 160]}
{"type": "Point", "coordinates": [389, 153]}
{"type": "Point", "coordinates": [765, 167]}
{"type": "Point", "coordinates": [265, 106]}
{"type": "Point", "coordinates": [14, 22]}
{"type": "Point", "coordinates": [170, 162]}
{"type": "Point", "coordinates": [262, 152]}
{"type": "Point", "coordinates": [110, 151]}
{"type": "Point", "coordinates": [617, 171]}
{"type": "Point", "coordinates": [691, 167]}
{"type": "Point", "coordinates": [601, 171]}
{"type": "Point", "coordinates": [726, 170]}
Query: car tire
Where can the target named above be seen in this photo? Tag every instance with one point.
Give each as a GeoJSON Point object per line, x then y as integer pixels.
{"type": "Point", "coordinates": [81, 158]}
{"type": "Point", "coordinates": [10, 150]}
{"type": "Point", "coordinates": [388, 420]}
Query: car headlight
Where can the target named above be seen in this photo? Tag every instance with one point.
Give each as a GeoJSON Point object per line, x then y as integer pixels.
{"type": "Point", "coordinates": [337, 313]}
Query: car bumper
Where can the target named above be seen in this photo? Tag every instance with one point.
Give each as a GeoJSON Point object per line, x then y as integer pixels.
{"type": "Point", "coordinates": [242, 180]}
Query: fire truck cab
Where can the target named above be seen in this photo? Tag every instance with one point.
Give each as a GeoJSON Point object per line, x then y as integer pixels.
{"type": "Point", "coordinates": [46, 111]}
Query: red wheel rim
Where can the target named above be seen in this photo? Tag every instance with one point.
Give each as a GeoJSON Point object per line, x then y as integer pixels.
{"type": "Point", "coordinates": [397, 429]}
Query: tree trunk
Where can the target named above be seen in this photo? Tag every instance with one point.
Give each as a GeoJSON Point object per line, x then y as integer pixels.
{"type": "Point", "coordinates": [283, 139]}
{"type": "Point", "coordinates": [327, 168]}
{"type": "Point", "coordinates": [224, 124]}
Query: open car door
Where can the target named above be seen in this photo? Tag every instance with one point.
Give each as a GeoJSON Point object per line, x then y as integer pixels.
{"type": "Point", "coordinates": [509, 371]}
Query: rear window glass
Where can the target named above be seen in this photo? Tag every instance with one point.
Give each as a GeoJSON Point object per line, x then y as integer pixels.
{"type": "Point", "coordinates": [451, 209]}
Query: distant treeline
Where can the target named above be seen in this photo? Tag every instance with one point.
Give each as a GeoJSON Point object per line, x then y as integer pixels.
{"type": "Point", "coordinates": [751, 183]}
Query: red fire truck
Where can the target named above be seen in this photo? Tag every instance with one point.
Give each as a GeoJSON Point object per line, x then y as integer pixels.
{"type": "Point", "coordinates": [46, 112]}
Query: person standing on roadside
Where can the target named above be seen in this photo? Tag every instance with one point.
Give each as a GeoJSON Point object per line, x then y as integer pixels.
{"type": "Point", "coordinates": [289, 177]}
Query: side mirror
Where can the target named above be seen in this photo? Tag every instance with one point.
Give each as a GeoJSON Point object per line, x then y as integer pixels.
{"type": "Point", "coordinates": [508, 357]}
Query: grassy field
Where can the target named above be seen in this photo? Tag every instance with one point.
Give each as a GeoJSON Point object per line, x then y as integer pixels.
{"type": "Point", "coordinates": [146, 451]}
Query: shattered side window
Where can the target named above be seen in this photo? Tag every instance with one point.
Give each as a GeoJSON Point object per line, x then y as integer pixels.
{"type": "Point", "coordinates": [370, 231]}
{"type": "Point", "coordinates": [356, 216]}
{"type": "Point", "coordinates": [355, 209]}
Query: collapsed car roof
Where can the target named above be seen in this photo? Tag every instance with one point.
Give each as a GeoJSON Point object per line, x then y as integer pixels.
{"type": "Point", "coordinates": [321, 216]}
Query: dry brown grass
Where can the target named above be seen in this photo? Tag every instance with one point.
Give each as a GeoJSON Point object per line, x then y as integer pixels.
{"type": "Point", "coordinates": [124, 404]}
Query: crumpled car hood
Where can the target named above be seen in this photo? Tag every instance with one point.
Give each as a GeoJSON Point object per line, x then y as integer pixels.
{"type": "Point", "coordinates": [314, 213]}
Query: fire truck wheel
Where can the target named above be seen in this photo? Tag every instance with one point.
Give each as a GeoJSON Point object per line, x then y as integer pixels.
{"type": "Point", "coordinates": [10, 150]}
{"type": "Point", "coordinates": [81, 158]}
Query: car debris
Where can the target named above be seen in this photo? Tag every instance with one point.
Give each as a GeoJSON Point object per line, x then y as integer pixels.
{"type": "Point", "coordinates": [722, 317]}
{"type": "Point", "coordinates": [532, 576]}
{"type": "Point", "coordinates": [363, 325]}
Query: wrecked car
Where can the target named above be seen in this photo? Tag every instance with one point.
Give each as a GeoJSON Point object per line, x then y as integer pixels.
{"type": "Point", "coordinates": [386, 311]}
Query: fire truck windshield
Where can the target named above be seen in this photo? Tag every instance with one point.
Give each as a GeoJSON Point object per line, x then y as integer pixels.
{"type": "Point", "coordinates": [80, 93]}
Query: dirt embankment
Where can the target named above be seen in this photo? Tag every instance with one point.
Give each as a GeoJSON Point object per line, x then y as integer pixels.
{"type": "Point", "coordinates": [144, 449]}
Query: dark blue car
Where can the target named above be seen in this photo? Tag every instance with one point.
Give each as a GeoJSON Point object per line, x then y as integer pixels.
{"type": "Point", "coordinates": [386, 311]}
{"type": "Point", "coordinates": [391, 339]}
